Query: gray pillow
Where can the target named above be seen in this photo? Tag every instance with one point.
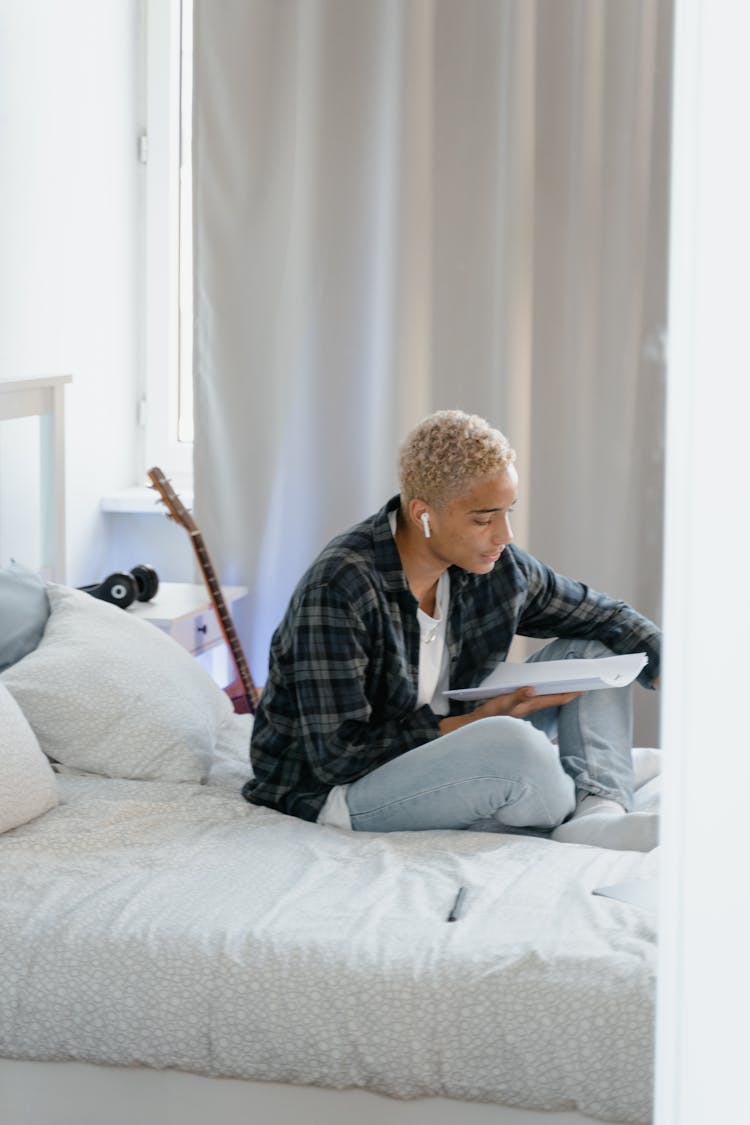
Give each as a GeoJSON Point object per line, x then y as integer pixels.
{"type": "Point", "coordinates": [24, 609]}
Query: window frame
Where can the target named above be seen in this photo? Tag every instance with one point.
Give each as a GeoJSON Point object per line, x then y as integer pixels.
{"type": "Point", "coordinates": [167, 311]}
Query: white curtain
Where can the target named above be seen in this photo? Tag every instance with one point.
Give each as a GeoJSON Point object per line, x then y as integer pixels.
{"type": "Point", "coordinates": [404, 205]}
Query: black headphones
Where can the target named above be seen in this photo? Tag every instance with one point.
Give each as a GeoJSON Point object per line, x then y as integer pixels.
{"type": "Point", "coordinates": [124, 587]}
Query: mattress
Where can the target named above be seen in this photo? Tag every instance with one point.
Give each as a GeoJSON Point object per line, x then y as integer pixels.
{"type": "Point", "coordinates": [171, 924]}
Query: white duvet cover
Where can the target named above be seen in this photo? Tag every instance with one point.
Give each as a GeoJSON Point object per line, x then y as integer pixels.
{"type": "Point", "coordinates": [171, 924]}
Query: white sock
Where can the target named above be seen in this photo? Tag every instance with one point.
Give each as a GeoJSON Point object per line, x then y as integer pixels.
{"type": "Point", "coordinates": [648, 797]}
{"type": "Point", "coordinates": [605, 824]}
{"type": "Point", "coordinates": [646, 764]}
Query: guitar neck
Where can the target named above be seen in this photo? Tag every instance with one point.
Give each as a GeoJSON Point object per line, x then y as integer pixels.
{"type": "Point", "coordinates": [225, 620]}
{"type": "Point", "coordinates": [179, 513]}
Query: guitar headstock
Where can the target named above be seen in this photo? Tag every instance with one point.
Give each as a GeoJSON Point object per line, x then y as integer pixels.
{"type": "Point", "coordinates": [175, 508]}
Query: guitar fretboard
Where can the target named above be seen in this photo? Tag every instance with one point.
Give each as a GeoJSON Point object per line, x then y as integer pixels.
{"type": "Point", "coordinates": [180, 514]}
{"type": "Point", "coordinates": [225, 620]}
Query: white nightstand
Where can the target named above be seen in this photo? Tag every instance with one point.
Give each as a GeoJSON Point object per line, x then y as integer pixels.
{"type": "Point", "coordinates": [184, 611]}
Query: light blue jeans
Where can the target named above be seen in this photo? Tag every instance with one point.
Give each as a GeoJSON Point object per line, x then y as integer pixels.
{"type": "Point", "coordinates": [499, 773]}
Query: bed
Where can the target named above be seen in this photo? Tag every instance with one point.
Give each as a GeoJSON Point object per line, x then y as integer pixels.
{"type": "Point", "coordinates": [168, 946]}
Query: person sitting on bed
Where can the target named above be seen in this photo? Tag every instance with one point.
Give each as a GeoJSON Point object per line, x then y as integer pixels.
{"type": "Point", "coordinates": [354, 728]}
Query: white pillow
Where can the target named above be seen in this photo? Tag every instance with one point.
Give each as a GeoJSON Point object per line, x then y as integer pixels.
{"type": "Point", "coordinates": [28, 786]}
{"type": "Point", "coordinates": [111, 694]}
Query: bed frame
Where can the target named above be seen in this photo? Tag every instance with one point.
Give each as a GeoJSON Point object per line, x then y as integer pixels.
{"type": "Point", "coordinates": [43, 397]}
{"type": "Point", "coordinates": [72, 1093]}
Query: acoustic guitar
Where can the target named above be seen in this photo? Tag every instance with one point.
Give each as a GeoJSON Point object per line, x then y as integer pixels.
{"type": "Point", "coordinates": [242, 691]}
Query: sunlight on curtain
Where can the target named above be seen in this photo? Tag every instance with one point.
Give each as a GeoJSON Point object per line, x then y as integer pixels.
{"type": "Point", "coordinates": [403, 207]}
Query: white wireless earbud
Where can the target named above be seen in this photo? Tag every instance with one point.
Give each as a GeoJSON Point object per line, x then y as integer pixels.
{"type": "Point", "coordinates": [426, 524]}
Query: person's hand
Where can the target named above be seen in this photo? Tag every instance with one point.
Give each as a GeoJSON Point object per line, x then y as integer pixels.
{"type": "Point", "coordinates": [518, 704]}
{"type": "Point", "coordinates": [521, 703]}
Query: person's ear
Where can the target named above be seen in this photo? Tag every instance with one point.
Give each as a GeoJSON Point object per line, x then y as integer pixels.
{"type": "Point", "coordinates": [419, 516]}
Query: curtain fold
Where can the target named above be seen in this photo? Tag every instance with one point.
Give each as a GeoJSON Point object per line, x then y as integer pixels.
{"type": "Point", "coordinates": [406, 206]}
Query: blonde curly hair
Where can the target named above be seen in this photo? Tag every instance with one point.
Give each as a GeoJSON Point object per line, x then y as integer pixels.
{"type": "Point", "coordinates": [445, 452]}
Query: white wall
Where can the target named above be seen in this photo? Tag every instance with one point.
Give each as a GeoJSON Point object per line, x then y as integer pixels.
{"type": "Point", "coordinates": [71, 232]}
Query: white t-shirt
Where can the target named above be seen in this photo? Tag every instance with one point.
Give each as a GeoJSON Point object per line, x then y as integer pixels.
{"type": "Point", "coordinates": [434, 668]}
{"type": "Point", "coordinates": [433, 651]}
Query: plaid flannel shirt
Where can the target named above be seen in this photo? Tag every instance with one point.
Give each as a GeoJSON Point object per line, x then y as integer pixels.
{"type": "Point", "coordinates": [341, 694]}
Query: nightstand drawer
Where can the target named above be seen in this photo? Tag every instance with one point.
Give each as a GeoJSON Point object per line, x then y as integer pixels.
{"type": "Point", "coordinates": [198, 632]}
{"type": "Point", "coordinates": [184, 611]}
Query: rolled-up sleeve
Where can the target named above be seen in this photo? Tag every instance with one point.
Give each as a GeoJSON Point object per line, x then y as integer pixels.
{"type": "Point", "coordinates": [560, 606]}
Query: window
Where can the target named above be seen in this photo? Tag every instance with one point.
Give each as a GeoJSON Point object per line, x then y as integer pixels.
{"type": "Point", "coordinates": [166, 408]}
